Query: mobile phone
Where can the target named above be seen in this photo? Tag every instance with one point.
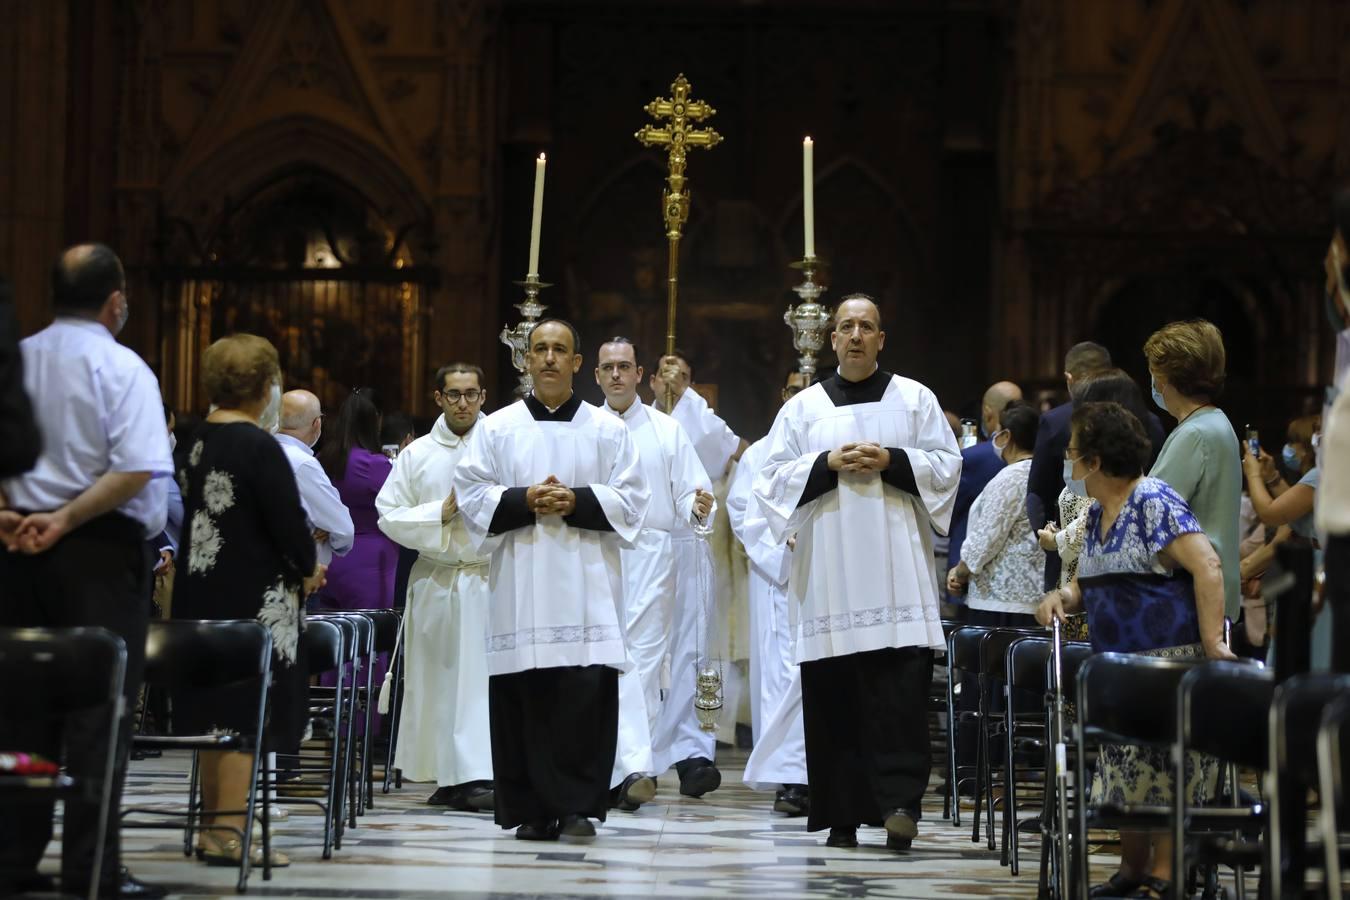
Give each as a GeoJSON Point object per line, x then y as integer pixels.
{"type": "Point", "coordinates": [1253, 442]}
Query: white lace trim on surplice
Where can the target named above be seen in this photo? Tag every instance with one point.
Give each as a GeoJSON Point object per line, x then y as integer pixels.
{"type": "Point", "coordinates": [558, 634]}
{"type": "Point", "coordinates": [867, 618]}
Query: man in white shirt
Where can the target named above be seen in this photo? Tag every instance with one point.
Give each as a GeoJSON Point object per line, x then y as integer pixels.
{"type": "Point", "coordinates": [701, 631]}
{"type": "Point", "coordinates": [443, 729]}
{"type": "Point", "coordinates": [861, 468]}
{"type": "Point", "coordinates": [301, 426]}
{"type": "Point", "coordinates": [681, 504]}
{"type": "Point", "coordinates": [778, 760]}
{"type": "Point", "coordinates": [552, 489]}
{"type": "Point", "coordinates": [76, 529]}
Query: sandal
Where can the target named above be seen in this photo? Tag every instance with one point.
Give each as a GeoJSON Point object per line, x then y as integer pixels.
{"type": "Point", "coordinates": [229, 853]}
{"type": "Point", "coordinates": [1152, 888]}
{"type": "Point", "coordinates": [1117, 885]}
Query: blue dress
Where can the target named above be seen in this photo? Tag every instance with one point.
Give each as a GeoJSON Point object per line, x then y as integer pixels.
{"type": "Point", "coordinates": [1133, 603]}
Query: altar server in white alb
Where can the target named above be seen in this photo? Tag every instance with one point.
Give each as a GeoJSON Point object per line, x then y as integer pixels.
{"type": "Point", "coordinates": [861, 467]}
{"type": "Point", "coordinates": [697, 629]}
{"type": "Point", "coordinates": [552, 489]}
{"type": "Point", "coordinates": [778, 760]}
{"type": "Point", "coordinates": [681, 506]}
{"type": "Point", "coordinates": [443, 734]}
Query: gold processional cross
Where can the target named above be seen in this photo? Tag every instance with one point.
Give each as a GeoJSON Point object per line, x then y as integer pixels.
{"type": "Point", "coordinates": [679, 135]}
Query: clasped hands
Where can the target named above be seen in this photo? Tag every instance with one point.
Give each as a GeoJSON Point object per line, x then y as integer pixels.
{"type": "Point", "coordinates": [861, 456]}
{"type": "Point", "coordinates": [33, 533]}
{"type": "Point", "coordinates": [551, 498]}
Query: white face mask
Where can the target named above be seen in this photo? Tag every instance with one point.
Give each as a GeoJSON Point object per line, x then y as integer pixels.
{"type": "Point", "coordinates": [270, 420]}
{"type": "Point", "coordinates": [1075, 485]}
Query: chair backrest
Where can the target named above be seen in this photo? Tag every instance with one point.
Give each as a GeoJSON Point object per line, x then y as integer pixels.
{"type": "Point", "coordinates": [1072, 655]}
{"type": "Point", "coordinates": [1295, 717]}
{"type": "Point", "coordinates": [965, 647]}
{"type": "Point", "coordinates": [1335, 734]}
{"type": "Point", "coordinates": [386, 622]}
{"type": "Point", "coordinates": [994, 648]}
{"type": "Point", "coordinates": [324, 645]}
{"type": "Point", "coordinates": [206, 653]}
{"type": "Point", "coordinates": [50, 672]}
{"type": "Point", "coordinates": [351, 645]}
{"type": "Point", "coordinates": [1125, 698]}
{"type": "Point", "coordinates": [1028, 663]}
{"type": "Point", "coordinates": [1225, 710]}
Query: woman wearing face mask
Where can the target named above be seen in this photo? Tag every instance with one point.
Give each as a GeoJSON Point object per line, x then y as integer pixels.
{"type": "Point", "coordinates": [1275, 500]}
{"type": "Point", "coordinates": [1108, 385]}
{"type": "Point", "coordinates": [247, 553]}
{"type": "Point", "coordinates": [1140, 535]}
{"type": "Point", "coordinates": [1200, 459]}
{"type": "Point", "coordinates": [1002, 567]}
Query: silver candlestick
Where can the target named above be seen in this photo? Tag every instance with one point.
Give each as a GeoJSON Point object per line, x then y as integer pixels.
{"type": "Point", "coordinates": [518, 338]}
{"type": "Point", "coordinates": [809, 320]}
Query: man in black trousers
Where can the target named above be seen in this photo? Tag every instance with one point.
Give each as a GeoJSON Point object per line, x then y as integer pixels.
{"type": "Point", "coordinates": [75, 530]}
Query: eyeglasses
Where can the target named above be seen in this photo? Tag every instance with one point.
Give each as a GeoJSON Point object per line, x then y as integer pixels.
{"type": "Point", "coordinates": [1073, 450]}
{"type": "Point", "coordinates": [453, 397]}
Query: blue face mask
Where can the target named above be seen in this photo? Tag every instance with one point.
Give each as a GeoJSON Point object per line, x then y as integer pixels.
{"type": "Point", "coordinates": [1157, 395]}
{"type": "Point", "coordinates": [1075, 485]}
{"type": "Point", "coordinates": [1290, 457]}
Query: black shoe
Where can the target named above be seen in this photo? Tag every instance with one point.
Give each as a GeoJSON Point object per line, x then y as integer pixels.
{"type": "Point", "coordinates": [1115, 886]}
{"type": "Point", "coordinates": [576, 828]}
{"type": "Point", "coordinates": [792, 801]}
{"type": "Point", "coordinates": [480, 796]}
{"type": "Point", "coordinates": [698, 776]}
{"type": "Point", "coordinates": [35, 883]}
{"type": "Point", "coordinates": [901, 826]}
{"type": "Point", "coordinates": [538, 831]}
{"type": "Point", "coordinates": [843, 836]}
{"type": "Point", "coordinates": [636, 790]}
{"type": "Point", "coordinates": [131, 886]}
{"type": "Point", "coordinates": [447, 796]}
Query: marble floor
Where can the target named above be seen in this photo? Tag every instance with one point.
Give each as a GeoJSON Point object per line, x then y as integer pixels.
{"type": "Point", "coordinates": [728, 844]}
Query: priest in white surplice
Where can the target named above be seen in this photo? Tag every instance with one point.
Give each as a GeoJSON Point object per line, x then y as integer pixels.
{"type": "Point", "coordinates": [700, 627]}
{"type": "Point", "coordinates": [681, 502]}
{"type": "Point", "coordinates": [861, 467]}
{"type": "Point", "coordinates": [551, 488]}
{"type": "Point", "coordinates": [443, 732]}
{"type": "Point", "coordinates": [778, 760]}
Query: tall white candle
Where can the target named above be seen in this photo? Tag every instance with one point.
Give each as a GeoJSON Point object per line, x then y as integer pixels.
{"type": "Point", "coordinates": [809, 196]}
{"type": "Point", "coordinates": [537, 217]}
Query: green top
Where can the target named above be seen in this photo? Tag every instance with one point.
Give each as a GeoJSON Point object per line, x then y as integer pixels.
{"type": "Point", "coordinates": [1200, 460]}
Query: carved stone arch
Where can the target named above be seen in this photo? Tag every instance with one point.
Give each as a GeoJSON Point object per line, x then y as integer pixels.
{"type": "Point", "coordinates": [237, 167]}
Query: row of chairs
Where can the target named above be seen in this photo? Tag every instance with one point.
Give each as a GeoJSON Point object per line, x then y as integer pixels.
{"type": "Point", "coordinates": [84, 669]}
{"type": "Point", "coordinates": [1295, 733]}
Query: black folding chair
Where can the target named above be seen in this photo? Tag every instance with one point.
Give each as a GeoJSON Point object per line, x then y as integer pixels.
{"type": "Point", "coordinates": [1333, 755]}
{"type": "Point", "coordinates": [963, 656]}
{"type": "Point", "coordinates": [1222, 711]}
{"type": "Point", "coordinates": [386, 623]}
{"type": "Point", "coordinates": [1123, 699]}
{"type": "Point", "coordinates": [329, 647]}
{"type": "Point", "coordinates": [204, 655]}
{"type": "Point", "coordinates": [55, 673]}
{"type": "Point", "coordinates": [1027, 673]}
{"type": "Point", "coordinates": [1067, 657]}
{"type": "Point", "coordinates": [991, 663]}
{"type": "Point", "coordinates": [1295, 721]}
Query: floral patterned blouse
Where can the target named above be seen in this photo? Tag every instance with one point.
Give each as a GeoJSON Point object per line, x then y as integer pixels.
{"type": "Point", "coordinates": [1007, 565]}
{"type": "Point", "coordinates": [1133, 601]}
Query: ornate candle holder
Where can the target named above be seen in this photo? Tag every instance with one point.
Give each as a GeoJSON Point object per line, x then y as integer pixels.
{"type": "Point", "coordinates": [518, 338]}
{"type": "Point", "coordinates": [809, 320]}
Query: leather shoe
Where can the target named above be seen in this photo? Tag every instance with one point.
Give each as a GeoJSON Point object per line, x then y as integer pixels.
{"type": "Point", "coordinates": [446, 796]}
{"type": "Point", "coordinates": [843, 836]}
{"type": "Point", "coordinates": [538, 831]}
{"type": "Point", "coordinates": [698, 776]}
{"type": "Point", "coordinates": [131, 886]}
{"type": "Point", "coordinates": [792, 801]}
{"type": "Point", "coordinates": [636, 790]}
{"type": "Point", "coordinates": [902, 825]}
{"type": "Point", "coordinates": [480, 796]}
{"type": "Point", "coordinates": [576, 828]}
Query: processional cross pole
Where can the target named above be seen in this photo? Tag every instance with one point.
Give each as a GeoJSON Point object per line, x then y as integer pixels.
{"type": "Point", "coordinates": [680, 135]}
